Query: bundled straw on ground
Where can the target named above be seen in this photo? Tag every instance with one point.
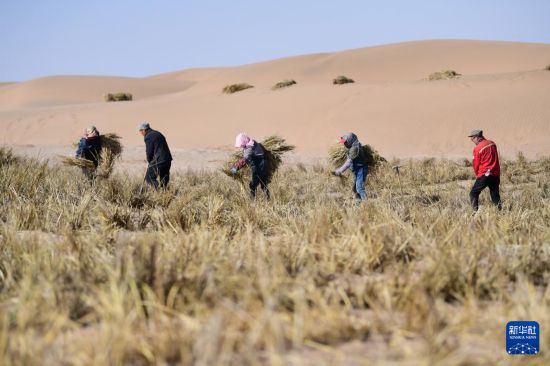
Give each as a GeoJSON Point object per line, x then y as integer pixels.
{"type": "Point", "coordinates": [233, 88]}
{"type": "Point", "coordinates": [283, 84]}
{"type": "Point", "coordinates": [342, 80]}
{"type": "Point", "coordinates": [338, 155]}
{"type": "Point", "coordinates": [111, 149]}
{"type": "Point", "coordinates": [274, 146]}
{"type": "Point", "coordinates": [444, 75]}
{"type": "Point", "coordinates": [117, 97]}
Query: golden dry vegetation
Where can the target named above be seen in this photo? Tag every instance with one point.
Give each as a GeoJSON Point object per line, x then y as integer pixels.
{"type": "Point", "coordinates": [107, 274]}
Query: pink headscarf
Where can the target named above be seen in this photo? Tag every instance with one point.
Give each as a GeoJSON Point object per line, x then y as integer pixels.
{"type": "Point", "coordinates": [242, 140]}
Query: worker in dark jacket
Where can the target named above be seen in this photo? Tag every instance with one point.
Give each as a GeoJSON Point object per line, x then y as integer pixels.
{"type": "Point", "coordinates": [486, 168]}
{"type": "Point", "coordinates": [158, 157]}
{"type": "Point", "coordinates": [254, 155]}
{"type": "Point", "coordinates": [89, 148]}
{"type": "Point", "coordinates": [357, 162]}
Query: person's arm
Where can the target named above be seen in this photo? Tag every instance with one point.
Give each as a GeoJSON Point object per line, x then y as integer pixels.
{"type": "Point", "coordinates": [82, 147]}
{"type": "Point", "coordinates": [240, 164]}
{"type": "Point", "coordinates": [149, 149]}
{"type": "Point", "coordinates": [476, 162]}
{"type": "Point", "coordinates": [343, 168]}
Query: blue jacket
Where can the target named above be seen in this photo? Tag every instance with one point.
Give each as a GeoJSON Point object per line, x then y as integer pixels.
{"type": "Point", "coordinates": [89, 149]}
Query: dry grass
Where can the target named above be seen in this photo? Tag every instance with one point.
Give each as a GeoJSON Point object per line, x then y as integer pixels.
{"type": "Point", "coordinates": [283, 84]}
{"type": "Point", "coordinates": [234, 88]}
{"type": "Point", "coordinates": [117, 97]}
{"type": "Point", "coordinates": [342, 80]}
{"type": "Point", "coordinates": [444, 75]}
{"type": "Point", "coordinates": [111, 149]}
{"type": "Point", "coordinates": [200, 275]}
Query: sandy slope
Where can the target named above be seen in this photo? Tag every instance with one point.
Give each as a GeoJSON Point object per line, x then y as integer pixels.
{"type": "Point", "coordinates": [504, 90]}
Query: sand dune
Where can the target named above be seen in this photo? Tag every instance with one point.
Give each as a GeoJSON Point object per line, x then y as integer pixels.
{"type": "Point", "coordinates": [503, 90]}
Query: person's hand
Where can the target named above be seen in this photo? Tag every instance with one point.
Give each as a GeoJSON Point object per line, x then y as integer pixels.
{"type": "Point", "coordinates": [336, 173]}
{"type": "Point", "coordinates": [233, 170]}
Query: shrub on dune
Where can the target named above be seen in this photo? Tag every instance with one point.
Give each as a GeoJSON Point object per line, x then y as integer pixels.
{"type": "Point", "coordinates": [117, 97]}
{"type": "Point", "coordinates": [283, 84]}
{"type": "Point", "coordinates": [342, 80]}
{"type": "Point", "coordinates": [444, 75]}
{"type": "Point", "coordinates": [233, 88]}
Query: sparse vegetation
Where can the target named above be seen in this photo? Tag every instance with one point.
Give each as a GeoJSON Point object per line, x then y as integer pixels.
{"type": "Point", "coordinates": [444, 75]}
{"type": "Point", "coordinates": [547, 67]}
{"type": "Point", "coordinates": [342, 80]}
{"type": "Point", "coordinates": [233, 88]}
{"type": "Point", "coordinates": [117, 97]}
{"type": "Point", "coordinates": [199, 274]}
{"type": "Point", "coordinates": [283, 84]}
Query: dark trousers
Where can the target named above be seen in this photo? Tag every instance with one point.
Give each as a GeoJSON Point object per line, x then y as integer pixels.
{"type": "Point", "coordinates": [486, 181]}
{"type": "Point", "coordinates": [258, 180]}
{"type": "Point", "coordinates": [158, 175]}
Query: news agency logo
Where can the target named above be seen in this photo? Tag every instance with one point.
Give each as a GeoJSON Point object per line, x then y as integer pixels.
{"type": "Point", "coordinates": [522, 338]}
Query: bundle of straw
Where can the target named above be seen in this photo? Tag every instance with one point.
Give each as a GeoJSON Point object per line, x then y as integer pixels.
{"type": "Point", "coordinates": [274, 147]}
{"type": "Point", "coordinates": [111, 148]}
{"type": "Point", "coordinates": [338, 154]}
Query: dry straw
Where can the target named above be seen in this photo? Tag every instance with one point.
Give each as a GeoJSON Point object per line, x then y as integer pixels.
{"type": "Point", "coordinates": [117, 97]}
{"type": "Point", "coordinates": [283, 84]}
{"type": "Point", "coordinates": [444, 75]}
{"type": "Point", "coordinates": [338, 155]}
{"type": "Point", "coordinates": [342, 80]}
{"type": "Point", "coordinates": [274, 146]}
{"type": "Point", "coordinates": [233, 88]}
{"type": "Point", "coordinates": [111, 149]}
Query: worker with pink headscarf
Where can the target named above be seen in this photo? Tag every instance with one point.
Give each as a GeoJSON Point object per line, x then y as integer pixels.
{"type": "Point", "coordinates": [254, 155]}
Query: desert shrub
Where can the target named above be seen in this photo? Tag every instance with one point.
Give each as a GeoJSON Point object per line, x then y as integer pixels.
{"type": "Point", "coordinates": [283, 84]}
{"type": "Point", "coordinates": [444, 75]}
{"type": "Point", "coordinates": [234, 88]}
{"type": "Point", "coordinates": [117, 97]}
{"type": "Point", "coordinates": [7, 156]}
{"type": "Point", "coordinates": [342, 80]}
{"type": "Point", "coordinates": [547, 67]}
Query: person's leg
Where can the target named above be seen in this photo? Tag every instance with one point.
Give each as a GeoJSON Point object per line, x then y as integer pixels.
{"type": "Point", "coordinates": [494, 186]}
{"type": "Point", "coordinates": [354, 187]}
{"type": "Point", "coordinates": [478, 186]}
{"type": "Point", "coordinates": [360, 177]}
{"type": "Point", "coordinates": [164, 173]}
{"type": "Point", "coordinates": [151, 176]}
{"type": "Point", "coordinates": [263, 184]}
{"type": "Point", "coordinates": [254, 184]}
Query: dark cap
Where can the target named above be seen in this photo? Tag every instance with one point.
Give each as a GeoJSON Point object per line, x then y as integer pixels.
{"type": "Point", "coordinates": [476, 133]}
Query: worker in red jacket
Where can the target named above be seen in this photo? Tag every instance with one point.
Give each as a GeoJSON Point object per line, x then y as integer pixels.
{"type": "Point", "coordinates": [486, 169]}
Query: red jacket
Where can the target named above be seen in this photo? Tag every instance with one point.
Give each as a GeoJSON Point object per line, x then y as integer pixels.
{"type": "Point", "coordinates": [486, 159]}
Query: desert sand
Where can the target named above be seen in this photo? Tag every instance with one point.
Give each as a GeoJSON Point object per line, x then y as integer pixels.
{"type": "Point", "coordinates": [503, 90]}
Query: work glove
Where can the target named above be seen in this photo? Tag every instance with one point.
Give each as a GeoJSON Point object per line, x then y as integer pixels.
{"type": "Point", "coordinates": [233, 170]}
{"type": "Point", "coordinates": [336, 173]}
